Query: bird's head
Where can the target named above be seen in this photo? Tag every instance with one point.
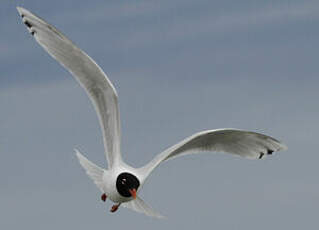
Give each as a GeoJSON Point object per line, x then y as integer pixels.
{"type": "Point", "coordinates": [127, 184]}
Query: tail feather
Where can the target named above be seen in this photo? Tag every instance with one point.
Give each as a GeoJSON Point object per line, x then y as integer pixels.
{"type": "Point", "coordinates": [140, 206]}
{"type": "Point", "coordinates": [92, 170]}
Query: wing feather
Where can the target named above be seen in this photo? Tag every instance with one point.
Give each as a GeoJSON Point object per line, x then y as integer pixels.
{"type": "Point", "coordinates": [92, 170]}
{"type": "Point", "coordinates": [89, 75]}
{"type": "Point", "coordinates": [140, 206]}
{"type": "Point", "coordinates": [246, 144]}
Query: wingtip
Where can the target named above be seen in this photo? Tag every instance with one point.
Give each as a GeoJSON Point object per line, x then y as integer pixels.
{"type": "Point", "coordinates": [162, 217]}
{"type": "Point", "coordinates": [282, 147]}
{"type": "Point", "coordinates": [79, 156]}
{"type": "Point", "coordinates": [77, 152]}
{"type": "Point", "coordinates": [20, 10]}
{"type": "Point", "coordinates": [24, 12]}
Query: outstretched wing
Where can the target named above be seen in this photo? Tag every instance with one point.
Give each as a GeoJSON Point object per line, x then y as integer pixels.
{"type": "Point", "coordinates": [140, 206]}
{"type": "Point", "coordinates": [90, 76]}
{"type": "Point", "coordinates": [239, 142]}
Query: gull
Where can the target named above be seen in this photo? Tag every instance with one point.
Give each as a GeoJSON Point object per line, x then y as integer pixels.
{"type": "Point", "coordinates": [121, 182]}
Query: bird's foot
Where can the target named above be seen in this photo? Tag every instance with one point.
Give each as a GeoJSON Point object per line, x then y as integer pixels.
{"type": "Point", "coordinates": [115, 207]}
{"type": "Point", "coordinates": [103, 197]}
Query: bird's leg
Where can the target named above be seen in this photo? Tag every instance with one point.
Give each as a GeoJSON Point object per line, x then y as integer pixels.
{"type": "Point", "coordinates": [103, 197]}
{"type": "Point", "coordinates": [115, 207]}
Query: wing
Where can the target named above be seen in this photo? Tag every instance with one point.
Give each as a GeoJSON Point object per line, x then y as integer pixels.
{"type": "Point", "coordinates": [140, 206]}
{"type": "Point", "coordinates": [243, 143]}
{"type": "Point", "coordinates": [89, 75]}
{"type": "Point", "coordinates": [92, 170]}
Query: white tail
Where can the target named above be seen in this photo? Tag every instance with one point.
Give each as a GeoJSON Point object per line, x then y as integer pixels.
{"type": "Point", "coordinates": [140, 206]}
{"type": "Point", "coordinates": [93, 171]}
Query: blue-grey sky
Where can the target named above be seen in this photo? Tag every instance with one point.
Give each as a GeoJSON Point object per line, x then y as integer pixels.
{"type": "Point", "coordinates": [179, 67]}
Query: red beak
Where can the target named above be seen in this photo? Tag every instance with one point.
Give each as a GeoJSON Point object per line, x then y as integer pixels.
{"type": "Point", "coordinates": [133, 192]}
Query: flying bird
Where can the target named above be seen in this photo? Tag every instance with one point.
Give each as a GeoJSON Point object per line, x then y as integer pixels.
{"type": "Point", "coordinates": [121, 182]}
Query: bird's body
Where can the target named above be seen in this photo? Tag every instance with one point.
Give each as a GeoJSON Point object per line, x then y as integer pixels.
{"type": "Point", "coordinates": [120, 182]}
{"type": "Point", "coordinates": [106, 179]}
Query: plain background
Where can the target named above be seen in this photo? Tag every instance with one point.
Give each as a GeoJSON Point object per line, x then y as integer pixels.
{"type": "Point", "coordinates": [179, 67]}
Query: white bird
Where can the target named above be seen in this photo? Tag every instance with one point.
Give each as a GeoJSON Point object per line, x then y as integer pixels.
{"type": "Point", "coordinates": [121, 182]}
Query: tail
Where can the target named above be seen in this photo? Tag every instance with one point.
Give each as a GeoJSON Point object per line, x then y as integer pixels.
{"type": "Point", "coordinates": [140, 206]}
{"type": "Point", "coordinates": [93, 171]}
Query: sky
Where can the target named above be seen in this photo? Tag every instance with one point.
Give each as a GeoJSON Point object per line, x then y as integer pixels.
{"type": "Point", "coordinates": [179, 67]}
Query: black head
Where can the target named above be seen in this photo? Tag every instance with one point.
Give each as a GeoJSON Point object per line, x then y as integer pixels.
{"type": "Point", "coordinates": [126, 184]}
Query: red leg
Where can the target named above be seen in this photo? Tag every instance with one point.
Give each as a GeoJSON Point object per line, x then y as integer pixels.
{"type": "Point", "coordinates": [103, 197]}
{"type": "Point", "coordinates": [115, 207]}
